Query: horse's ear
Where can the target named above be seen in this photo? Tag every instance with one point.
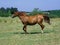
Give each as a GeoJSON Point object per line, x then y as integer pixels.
{"type": "Point", "coordinates": [12, 12]}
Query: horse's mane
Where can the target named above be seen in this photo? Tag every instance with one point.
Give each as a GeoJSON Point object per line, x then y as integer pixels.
{"type": "Point", "coordinates": [23, 13]}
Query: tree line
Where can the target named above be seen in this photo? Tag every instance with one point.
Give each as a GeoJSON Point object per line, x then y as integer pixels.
{"type": "Point", "coordinates": [6, 12]}
{"type": "Point", "coordinates": [54, 13]}
{"type": "Point", "coordinates": [50, 13]}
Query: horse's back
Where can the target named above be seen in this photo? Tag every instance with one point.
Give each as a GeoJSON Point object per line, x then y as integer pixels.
{"type": "Point", "coordinates": [32, 19]}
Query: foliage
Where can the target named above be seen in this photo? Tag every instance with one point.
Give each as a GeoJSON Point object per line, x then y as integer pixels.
{"type": "Point", "coordinates": [50, 13]}
{"type": "Point", "coordinates": [6, 12]}
{"type": "Point", "coordinates": [54, 13]}
{"type": "Point", "coordinates": [36, 11]}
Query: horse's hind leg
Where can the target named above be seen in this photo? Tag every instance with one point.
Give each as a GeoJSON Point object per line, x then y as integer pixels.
{"type": "Point", "coordinates": [42, 27]}
{"type": "Point", "coordinates": [24, 28]}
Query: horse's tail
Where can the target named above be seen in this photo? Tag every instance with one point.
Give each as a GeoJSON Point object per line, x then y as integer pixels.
{"type": "Point", "coordinates": [47, 19]}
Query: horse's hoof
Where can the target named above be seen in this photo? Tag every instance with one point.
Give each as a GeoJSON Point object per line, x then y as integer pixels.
{"type": "Point", "coordinates": [42, 31]}
{"type": "Point", "coordinates": [26, 33]}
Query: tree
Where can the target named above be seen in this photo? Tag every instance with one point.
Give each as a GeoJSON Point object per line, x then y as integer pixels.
{"type": "Point", "coordinates": [6, 12]}
{"type": "Point", "coordinates": [36, 11]}
{"type": "Point", "coordinates": [14, 9]}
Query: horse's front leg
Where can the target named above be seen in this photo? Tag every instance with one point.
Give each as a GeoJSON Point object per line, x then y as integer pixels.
{"type": "Point", "coordinates": [24, 28]}
{"type": "Point", "coordinates": [42, 27]}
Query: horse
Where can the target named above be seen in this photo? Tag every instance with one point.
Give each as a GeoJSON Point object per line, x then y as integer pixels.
{"type": "Point", "coordinates": [31, 20]}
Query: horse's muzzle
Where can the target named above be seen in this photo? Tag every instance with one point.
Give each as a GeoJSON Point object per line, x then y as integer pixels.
{"type": "Point", "coordinates": [13, 16]}
{"type": "Point", "coordinates": [49, 23]}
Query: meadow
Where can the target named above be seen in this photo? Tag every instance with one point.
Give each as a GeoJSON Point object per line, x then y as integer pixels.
{"type": "Point", "coordinates": [11, 33]}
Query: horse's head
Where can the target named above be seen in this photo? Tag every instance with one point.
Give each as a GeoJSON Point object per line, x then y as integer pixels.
{"type": "Point", "coordinates": [15, 14]}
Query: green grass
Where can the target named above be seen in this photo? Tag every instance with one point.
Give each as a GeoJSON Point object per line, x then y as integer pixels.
{"type": "Point", "coordinates": [11, 33]}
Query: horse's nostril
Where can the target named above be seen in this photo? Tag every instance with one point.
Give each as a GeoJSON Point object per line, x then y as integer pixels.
{"type": "Point", "coordinates": [49, 23]}
{"type": "Point", "coordinates": [12, 16]}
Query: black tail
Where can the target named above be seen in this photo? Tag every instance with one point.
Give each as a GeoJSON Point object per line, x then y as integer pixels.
{"type": "Point", "coordinates": [47, 19]}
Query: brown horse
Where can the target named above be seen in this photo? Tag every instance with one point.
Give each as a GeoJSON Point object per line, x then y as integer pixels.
{"type": "Point", "coordinates": [31, 20]}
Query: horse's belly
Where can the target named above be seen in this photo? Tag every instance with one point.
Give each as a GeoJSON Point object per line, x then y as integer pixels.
{"type": "Point", "coordinates": [31, 23]}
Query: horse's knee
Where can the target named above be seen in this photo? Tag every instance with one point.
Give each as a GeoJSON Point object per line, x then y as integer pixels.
{"type": "Point", "coordinates": [24, 28]}
{"type": "Point", "coordinates": [42, 26]}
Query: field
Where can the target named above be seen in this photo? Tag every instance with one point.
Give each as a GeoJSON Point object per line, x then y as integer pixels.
{"type": "Point", "coordinates": [11, 33]}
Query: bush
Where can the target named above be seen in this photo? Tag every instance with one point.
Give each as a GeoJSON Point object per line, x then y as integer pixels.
{"type": "Point", "coordinates": [6, 12]}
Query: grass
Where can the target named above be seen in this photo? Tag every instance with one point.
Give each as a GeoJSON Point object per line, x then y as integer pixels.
{"type": "Point", "coordinates": [11, 33]}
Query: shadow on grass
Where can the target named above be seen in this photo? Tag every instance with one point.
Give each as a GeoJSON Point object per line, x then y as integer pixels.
{"type": "Point", "coordinates": [29, 32]}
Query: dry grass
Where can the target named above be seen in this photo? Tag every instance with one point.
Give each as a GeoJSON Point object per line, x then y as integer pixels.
{"type": "Point", "coordinates": [11, 33]}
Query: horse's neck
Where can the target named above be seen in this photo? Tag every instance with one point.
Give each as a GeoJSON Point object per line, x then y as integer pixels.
{"type": "Point", "coordinates": [21, 16]}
